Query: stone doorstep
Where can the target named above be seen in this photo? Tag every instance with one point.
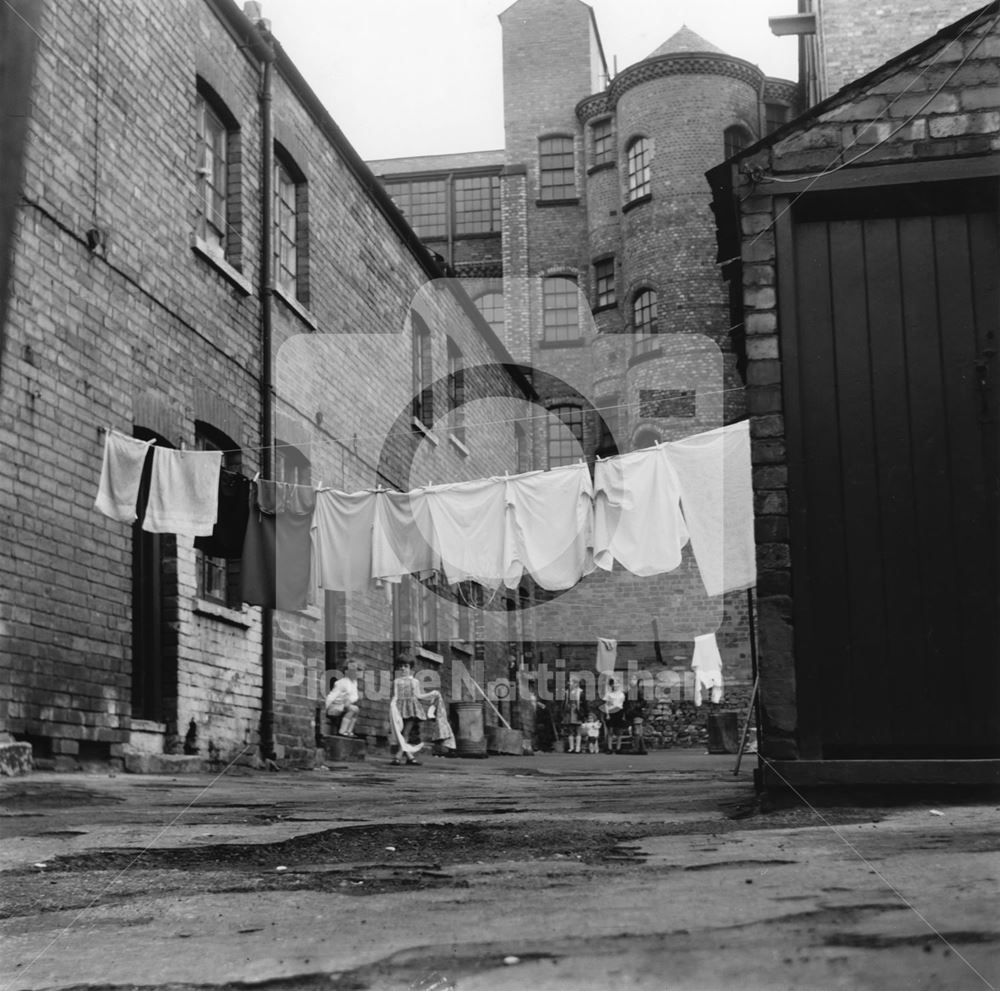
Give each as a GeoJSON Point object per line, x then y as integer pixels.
{"type": "Point", "coordinates": [337, 749]}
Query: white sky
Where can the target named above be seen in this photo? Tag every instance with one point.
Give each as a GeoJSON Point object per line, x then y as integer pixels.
{"type": "Point", "coordinates": [422, 77]}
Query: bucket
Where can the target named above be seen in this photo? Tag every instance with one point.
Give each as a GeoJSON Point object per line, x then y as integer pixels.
{"type": "Point", "coordinates": [468, 722]}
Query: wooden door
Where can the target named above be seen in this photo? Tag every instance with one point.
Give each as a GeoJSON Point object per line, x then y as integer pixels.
{"type": "Point", "coordinates": [889, 346]}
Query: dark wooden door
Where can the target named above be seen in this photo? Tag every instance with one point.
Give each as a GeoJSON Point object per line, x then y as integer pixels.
{"type": "Point", "coordinates": [891, 384]}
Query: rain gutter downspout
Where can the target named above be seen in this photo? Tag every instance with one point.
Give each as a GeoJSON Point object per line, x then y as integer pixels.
{"type": "Point", "coordinates": [263, 48]}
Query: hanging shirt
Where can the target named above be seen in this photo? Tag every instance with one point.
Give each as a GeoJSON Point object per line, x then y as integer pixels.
{"type": "Point", "coordinates": [183, 492]}
{"type": "Point", "coordinates": [716, 486]}
{"type": "Point", "coordinates": [469, 522]}
{"type": "Point", "coordinates": [121, 473]}
{"type": "Point", "coordinates": [344, 522]}
{"type": "Point", "coordinates": [403, 539]}
{"type": "Point", "coordinates": [277, 548]}
{"type": "Point", "coordinates": [549, 527]}
{"type": "Point", "coordinates": [637, 514]}
{"type": "Point", "coordinates": [707, 666]}
{"type": "Point", "coordinates": [607, 655]}
{"type": "Point", "coordinates": [226, 539]}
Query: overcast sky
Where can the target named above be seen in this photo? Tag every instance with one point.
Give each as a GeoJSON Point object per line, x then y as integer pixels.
{"type": "Point", "coordinates": [422, 77]}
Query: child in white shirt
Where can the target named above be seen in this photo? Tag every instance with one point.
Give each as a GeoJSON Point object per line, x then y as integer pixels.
{"type": "Point", "coordinates": [590, 730]}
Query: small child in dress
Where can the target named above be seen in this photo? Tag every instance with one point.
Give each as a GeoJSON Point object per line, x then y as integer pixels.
{"type": "Point", "coordinates": [590, 730]}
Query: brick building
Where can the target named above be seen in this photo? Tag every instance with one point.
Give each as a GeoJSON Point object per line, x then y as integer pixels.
{"type": "Point", "coordinates": [598, 270]}
{"type": "Point", "coordinates": [861, 241]}
{"type": "Point", "coordinates": [194, 254]}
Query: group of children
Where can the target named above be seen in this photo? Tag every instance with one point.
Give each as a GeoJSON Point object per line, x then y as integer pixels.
{"type": "Point", "coordinates": [583, 726]}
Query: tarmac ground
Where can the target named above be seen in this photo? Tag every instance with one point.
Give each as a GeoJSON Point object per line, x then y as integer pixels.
{"type": "Point", "coordinates": [557, 871]}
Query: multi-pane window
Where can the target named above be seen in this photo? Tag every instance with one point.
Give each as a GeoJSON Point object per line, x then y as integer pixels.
{"type": "Point", "coordinates": [556, 169]}
{"type": "Point", "coordinates": [734, 139]}
{"type": "Point", "coordinates": [560, 309]}
{"type": "Point", "coordinates": [776, 115]}
{"type": "Point", "coordinates": [424, 203]}
{"type": "Point", "coordinates": [456, 390]}
{"type": "Point", "coordinates": [217, 577]}
{"type": "Point", "coordinates": [644, 321]}
{"type": "Point", "coordinates": [638, 156]}
{"type": "Point", "coordinates": [213, 176]}
{"type": "Point", "coordinates": [423, 396]}
{"type": "Point", "coordinates": [477, 204]}
{"type": "Point", "coordinates": [604, 282]}
{"type": "Point", "coordinates": [603, 146]}
{"type": "Point", "coordinates": [286, 230]}
{"type": "Point", "coordinates": [491, 306]}
{"type": "Point", "coordinates": [565, 435]}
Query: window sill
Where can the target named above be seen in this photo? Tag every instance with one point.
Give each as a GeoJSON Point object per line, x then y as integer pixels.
{"type": "Point", "coordinates": [297, 308]}
{"type": "Point", "coordinates": [214, 258]}
{"type": "Point", "coordinates": [605, 306]}
{"type": "Point", "coordinates": [459, 444]}
{"type": "Point", "coordinates": [424, 431]}
{"type": "Point", "coordinates": [638, 201]}
{"type": "Point", "coordinates": [430, 655]}
{"type": "Point", "coordinates": [568, 201]}
{"type": "Point", "coordinates": [147, 726]}
{"type": "Point", "coordinates": [601, 167]}
{"type": "Point", "coordinates": [575, 342]}
{"type": "Point", "coordinates": [224, 614]}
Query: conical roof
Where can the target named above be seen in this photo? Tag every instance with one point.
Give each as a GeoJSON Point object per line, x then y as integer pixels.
{"type": "Point", "coordinates": [686, 40]}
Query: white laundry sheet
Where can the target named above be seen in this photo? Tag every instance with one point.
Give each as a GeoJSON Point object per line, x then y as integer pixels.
{"type": "Point", "coordinates": [637, 514]}
{"type": "Point", "coordinates": [183, 492]}
{"type": "Point", "coordinates": [343, 522]}
{"type": "Point", "coordinates": [121, 473]}
{"type": "Point", "coordinates": [549, 527]}
{"type": "Point", "coordinates": [403, 539]}
{"type": "Point", "coordinates": [707, 666]}
{"type": "Point", "coordinates": [714, 475]}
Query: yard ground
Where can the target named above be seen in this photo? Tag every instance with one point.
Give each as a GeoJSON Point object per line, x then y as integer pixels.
{"type": "Point", "coordinates": [554, 871]}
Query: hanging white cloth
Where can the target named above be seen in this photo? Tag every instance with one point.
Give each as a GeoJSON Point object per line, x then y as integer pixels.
{"type": "Point", "coordinates": [549, 527]}
{"type": "Point", "coordinates": [707, 666]}
{"type": "Point", "coordinates": [403, 540]}
{"type": "Point", "coordinates": [469, 522]}
{"type": "Point", "coordinates": [607, 655]}
{"type": "Point", "coordinates": [121, 473]}
{"type": "Point", "coordinates": [183, 492]}
{"type": "Point", "coordinates": [714, 475]}
{"type": "Point", "coordinates": [344, 522]}
{"type": "Point", "coordinates": [637, 514]}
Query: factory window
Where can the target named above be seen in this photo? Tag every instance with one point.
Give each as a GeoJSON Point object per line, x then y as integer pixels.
{"type": "Point", "coordinates": [556, 171]}
{"type": "Point", "coordinates": [565, 435]}
{"type": "Point", "coordinates": [644, 321]}
{"type": "Point", "coordinates": [423, 396]}
{"type": "Point", "coordinates": [456, 390]}
{"type": "Point", "coordinates": [290, 229]}
{"type": "Point", "coordinates": [638, 155]}
{"type": "Point", "coordinates": [604, 283]}
{"type": "Point", "coordinates": [424, 204]}
{"type": "Point", "coordinates": [560, 309]}
{"type": "Point", "coordinates": [491, 306]}
{"type": "Point", "coordinates": [602, 136]}
{"type": "Point", "coordinates": [477, 204]}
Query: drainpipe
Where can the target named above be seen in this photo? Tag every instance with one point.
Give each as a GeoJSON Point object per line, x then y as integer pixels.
{"type": "Point", "coordinates": [264, 50]}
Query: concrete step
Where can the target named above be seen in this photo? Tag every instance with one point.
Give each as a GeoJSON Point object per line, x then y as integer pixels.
{"type": "Point", "coordinates": [338, 749]}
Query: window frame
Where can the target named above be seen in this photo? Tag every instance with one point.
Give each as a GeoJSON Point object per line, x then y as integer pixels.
{"type": "Point", "coordinates": [291, 229]}
{"type": "Point", "coordinates": [556, 428]}
{"type": "Point", "coordinates": [218, 176]}
{"type": "Point", "coordinates": [217, 579]}
{"type": "Point", "coordinates": [423, 370]}
{"type": "Point", "coordinates": [602, 142]}
{"type": "Point", "coordinates": [605, 294]}
{"type": "Point", "coordinates": [638, 170]}
{"type": "Point", "coordinates": [553, 331]}
{"type": "Point", "coordinates": [456, 390]}
{"type": "Point", "coordinates": [647, 330]}
{"type": "Point", "coordinates": [556, 168]}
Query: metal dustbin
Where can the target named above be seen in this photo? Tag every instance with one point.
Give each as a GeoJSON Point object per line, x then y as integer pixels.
{"type": "Point", "coordinates": [469, 724]}
{"type": "Point", "coordinates": [722, 732]}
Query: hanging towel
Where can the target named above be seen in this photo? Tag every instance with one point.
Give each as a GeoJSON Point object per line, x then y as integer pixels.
{"type": "Point", "coordinates": [713, 471]}
{"type": "Point", "coordinates": [121, 473]}
{"type": "Point", "coordinates": [637, 514]}
{"type": "Point", "coordinates": [277, 547]}
{"type": "Point", "coordinates": [469, 522]}
{"type": "Point", "coordinates": [226, 539]}
{"type": "Point", "coordinates": [344, 522]}
{"type": "Point", "coordinates": [549, 527]}
{"type": "Point", "coordinates": [183, 492]}
{"type": "Point", "coordinates": [607, 655]}
{"type": "Point", "coordinates": [707, 666]}
{"type": "Point", "coordinates": [403, 539]}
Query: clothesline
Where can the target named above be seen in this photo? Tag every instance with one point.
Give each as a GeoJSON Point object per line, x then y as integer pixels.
{"type": "Point", "coordinates": [638, 512]}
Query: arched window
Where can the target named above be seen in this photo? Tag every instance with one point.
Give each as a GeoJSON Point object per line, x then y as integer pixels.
{"type": "Point", "coordinates": [644, 321]}
{"type": "Point", "coordinates": [638, 156]}
{"type": "Point", "coordinates": [218, 577]}
{"type": "Point", "coordinates": [491, 305]}
{"type": "Point", "coordinates": [734, 140]}
{"type": "Point", "coordinates": [556, 168]}
{"type": "Point", "coordinates": [565, 435]}
{"type": "Point", "coordinates": [645, 437]}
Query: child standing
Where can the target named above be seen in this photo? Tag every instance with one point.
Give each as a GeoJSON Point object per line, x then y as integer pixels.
{"type": "Point", "coordinates": [574, 698]}
{"type": "Point", "coordinates": [591, 730]}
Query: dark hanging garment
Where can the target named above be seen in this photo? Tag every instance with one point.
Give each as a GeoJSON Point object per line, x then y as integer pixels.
{"type": "Point", "coordinates": [277, 548]}
{"type": "Point", "coordinates": [234, 510]}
